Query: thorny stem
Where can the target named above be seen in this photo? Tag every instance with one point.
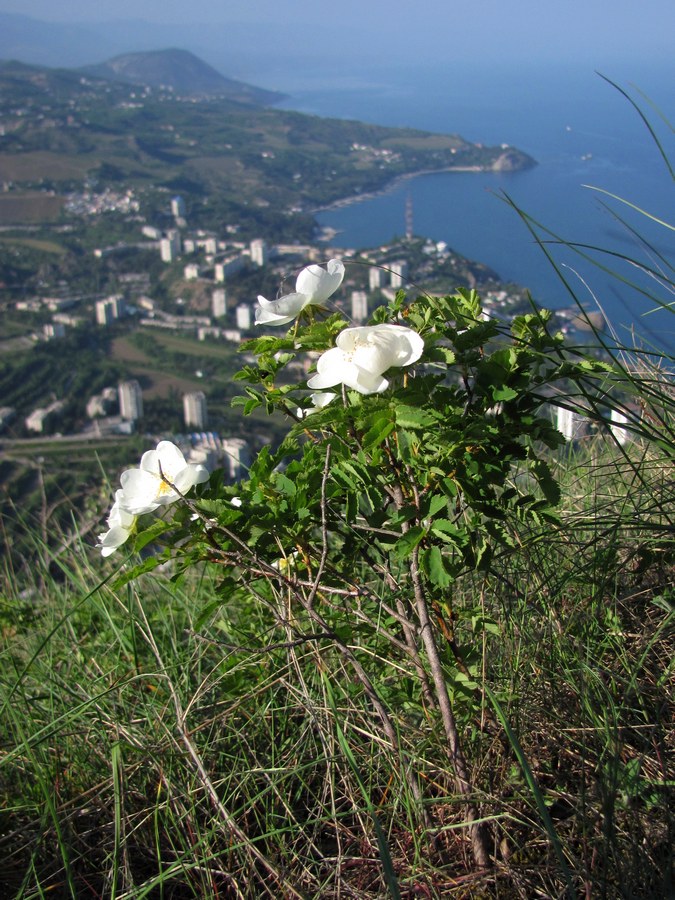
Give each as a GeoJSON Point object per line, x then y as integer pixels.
{"type": "Point", "coordinates": [477, 831]}
{"type": "Point", "coordinates": [324, 534]}
{"type": "Point", "coordinates": [411, 642]}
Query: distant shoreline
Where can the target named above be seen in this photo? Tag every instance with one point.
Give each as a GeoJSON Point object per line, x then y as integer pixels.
{"type": "Point", "coordinates": [392, 185]}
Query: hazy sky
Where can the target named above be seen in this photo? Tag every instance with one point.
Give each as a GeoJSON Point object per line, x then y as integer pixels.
{"type": "Point", "coordinates": [589, 30]}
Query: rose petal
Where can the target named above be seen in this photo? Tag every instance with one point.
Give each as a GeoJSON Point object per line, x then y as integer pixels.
{"type": "Point", "coordinates": [319, 283]}
{"type": "Point", "coordinates": [281, 311]}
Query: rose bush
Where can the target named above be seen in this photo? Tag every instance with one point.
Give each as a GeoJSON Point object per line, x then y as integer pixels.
{"type": "Point", "coordinates": [424, 467]}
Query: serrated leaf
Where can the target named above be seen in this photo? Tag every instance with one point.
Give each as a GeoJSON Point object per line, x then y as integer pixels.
{"type": "Point", "coordinates": [379, 431]}
{"type": "Point", "coordinates": [412, 417]}
{"type": "Point", "coordinates": [351, 507]}
{"type": "Point", "coordinates": [151, 533]}
{"type": "Point", "coordinates": [250, 405]}
{"type": "Point", "coordinates": [146, 566]}
{"type": "Point", "coordinates": [465, 681]}
{"type": "Point", "coordinates": [284, 484]}
{"type": "Point", "coordinates": [206, 613]}
{"type": "Point", "coordinates": [442, 354]}
{"type": "Point", "coordinates": [504, 393]}
{"type": "Point", "coordinates": [435, 568]}
{"type": "Point", "coordinates": [268, 343]}
{"type": "Point", "coordinates": [436, 503]}
{"type": "Point", "coordinates": [549, 486]}
{"type": "Point", "coordinates": [447, 531]}
{"type": "Point", "coordinates": [217, 507]}
{"type": "Point", "coordinates": [407, 542]}
{"type": "Point", "coordinates": [451, 486]}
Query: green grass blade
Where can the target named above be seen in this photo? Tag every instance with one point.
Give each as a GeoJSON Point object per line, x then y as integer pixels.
{"type": "Point", "coordinates": [534, 788]}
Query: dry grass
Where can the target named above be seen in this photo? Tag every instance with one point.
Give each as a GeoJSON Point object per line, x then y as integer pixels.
{"type": "Point", "coordinates": [28, 208]}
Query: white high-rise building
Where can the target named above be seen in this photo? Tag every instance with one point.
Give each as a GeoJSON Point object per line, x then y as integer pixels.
{"type": "Point", "coordinates": [359, 306]}
{"type": "Point", "coordinates": [53, 330]}
{"type": "Point", "coordinates": [229, 266]}
{"type": "Point", "coordinates": [617, 427]}
{"type": "Point", "coordinates": [375, 278]}
{"type": "Point", "coordinates": [178, 207]}
{"type": "Point", "coordinates": [244, 316]}
{"type": "Point", "coordinates": [237, 458]}
{"type": "Point", "coordinates": [170, 246]}
{"type": "Point", "coordinates": [39, 419]}
{"type": "Point", "coordinates": [131, 400]}
{"type": "Point", "coordinates": [194, 410]}
{"type": "Point", "coordinates": [110, 309]}
{"type": "Point", "coordinates": [219, 303]}
{"type": "Point", "coordinates": [399, 272]}
{"type": "Point", "coordinates": [7, 414]}
{"type": "Point", "coordinates": [572, 425]}
{"type": "Point", "coordinates": [258, 252]}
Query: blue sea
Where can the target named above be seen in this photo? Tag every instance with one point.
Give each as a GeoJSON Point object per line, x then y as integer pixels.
{"type": "Point", "coordinates": [587, 139]}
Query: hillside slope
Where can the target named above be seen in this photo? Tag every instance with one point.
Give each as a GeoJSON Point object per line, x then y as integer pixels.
{"type": "Point", "coordinates": [181, 71]}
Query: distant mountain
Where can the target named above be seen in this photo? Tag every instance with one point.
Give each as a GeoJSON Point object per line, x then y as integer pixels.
{"type": "Point", "coordinates": [181, 71]}
{"type": "Point", "coordinates": [242, 162]}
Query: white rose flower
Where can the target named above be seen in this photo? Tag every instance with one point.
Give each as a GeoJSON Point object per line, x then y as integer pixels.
{"type": "Point", "coordinates": [313, 285]}
{"type": "Point", "coordinates": [120, 525]}
{"type": "Point", "coordinates": [362, 355]}
{"type": "Point", "coordinates": [152, 485]}
{"type": "Point", "coordinates": [320, 399]}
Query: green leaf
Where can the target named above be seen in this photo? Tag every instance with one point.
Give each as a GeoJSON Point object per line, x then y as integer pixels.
{"type": "Point", "coordinates": [404, 514]}
{"type": "Point", "coordinates": [146, 566]}
{"type": "Point", "coordinates": [284, 484]}
{"type": "Point", "coordinates": [151, 533]}
{"type": "Point", "coordinates": [412, 417]}
{"type": "Point", "coordinates": [432, 561]}
{"type": "Point", "coordinates": [437, 502]}
{"type": "Point", "coordinates": [405, 545]}
{"type": "Point", "coordinates": [268, 343]}
{"type": "Point", "coordinates": [500, 394]}
{"type": "Point", "coordinates": [441, 354]}
{"type": "Point", "coordinates": [206, 613]}
{"type": "Point", "coordinates": [549, 486]}
{"type": "Point", "coordinates": [380, 430]}
{"type": "Point", "coordinates": [462, 679]}
{"type": "Point", "coordinates": [448, 531]}
{"type": "Point", "coordinates": [223, 510]}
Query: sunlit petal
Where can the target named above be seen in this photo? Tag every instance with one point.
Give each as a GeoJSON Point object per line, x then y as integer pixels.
{"type": "Point", "coordinates": [318, 283]}
{"type": "Point", "coordinates": [313, 285]}
{"type": "Point", "coordinates": [363, 354]}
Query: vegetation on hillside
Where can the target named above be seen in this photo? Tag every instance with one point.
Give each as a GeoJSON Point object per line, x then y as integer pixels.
{"type": "Point", "coordinates": [245, 727]}
{"type": "Point", "coordinates": [62, 127]}
{"type": "Point", "coordinates": [424, 649]}
{"type": "Point", "coordinates": [182, 72]}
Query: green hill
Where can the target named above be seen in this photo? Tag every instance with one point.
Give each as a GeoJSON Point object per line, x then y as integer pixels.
{"type": "Point", "coordinates": [62, 128]}
{"type": "Point", "coordinates": [181, 71]}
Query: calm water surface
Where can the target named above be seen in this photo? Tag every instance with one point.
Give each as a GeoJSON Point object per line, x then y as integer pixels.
{"type": "Point", "coordinates": [582, 133]}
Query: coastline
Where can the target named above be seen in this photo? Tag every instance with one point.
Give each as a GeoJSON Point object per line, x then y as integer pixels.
{"type": "Point", "coordinates": [392, 185]}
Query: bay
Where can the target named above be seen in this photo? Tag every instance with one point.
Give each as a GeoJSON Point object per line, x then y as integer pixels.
{"type": "Point", "coordinates": [581, 131]}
